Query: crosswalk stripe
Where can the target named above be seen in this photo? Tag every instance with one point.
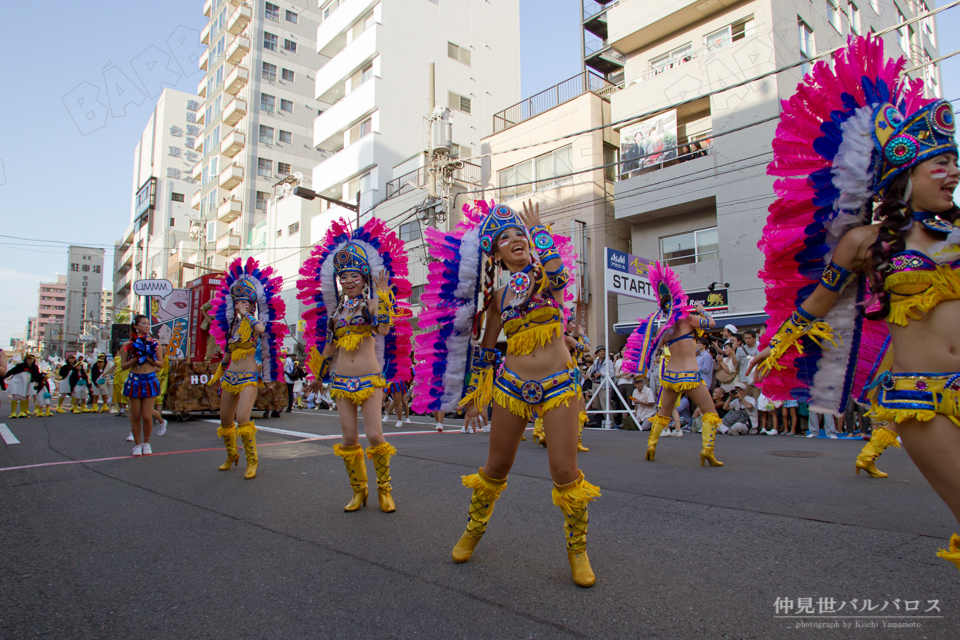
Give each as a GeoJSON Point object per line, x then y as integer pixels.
{"type": "Point", "coordinates": [7, 435]}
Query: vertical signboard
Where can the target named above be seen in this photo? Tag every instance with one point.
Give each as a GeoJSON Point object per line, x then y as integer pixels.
{"type": "Point", "coordinates": [84, 289]}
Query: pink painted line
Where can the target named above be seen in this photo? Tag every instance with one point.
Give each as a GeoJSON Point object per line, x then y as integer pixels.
{"type": "Point", "coordinates": [170, 453]}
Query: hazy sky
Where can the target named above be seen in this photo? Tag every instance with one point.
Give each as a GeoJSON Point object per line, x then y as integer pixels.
{"type": "Point", "coordinates": [60, 187]}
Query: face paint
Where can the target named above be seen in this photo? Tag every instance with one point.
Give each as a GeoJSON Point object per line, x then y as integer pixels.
{"type": "Point", "coordinates": [938, 172]}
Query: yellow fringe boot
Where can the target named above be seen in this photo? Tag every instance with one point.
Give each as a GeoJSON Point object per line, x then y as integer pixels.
{"type": "Point", "coordinates": [75, 406]}
{"type": "Point", "coordinates": [60, 408]}
{"type": "Point", "coordinates": [48, 413]}
{"type": "Point", "coordinates": [13, 409]}
{"type": "Point", "coordinates": [879, 440]}
{"type": "Point", "coordinates": [710, 422]}
{"type": "Point", "coordinates": [953, 554]}
{"type": "Point", "coordinates": [248, 433]}
{"type": "Point", "coordinates": [573, 499]}
{"type": "Point", "coordinates": [486, 490]}
{"type": "Point", "coordinates": [583, 421]}
{"type": "Point", "coordinates": [539, 437]}
{"type": "Point", "coordinates": [357, 471]}
{"type": "Point", "coordinates": [657, 423]}
{"type": "Point", "coordinates": [229, 435]}
{"type": "Point", "coordinates": [24, 409]}
{"type": "Point", "coordinates": [380, 454]}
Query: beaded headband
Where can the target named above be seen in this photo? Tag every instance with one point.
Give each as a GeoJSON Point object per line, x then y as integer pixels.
{"type": "Point", "coordinates": [904, 142]}
{"type": "Point", "coordinates": [244, 290]}
{"type": "Point", "coordinates": [496, 222]}
{"type": "Point", "coordinates": [351, 258]}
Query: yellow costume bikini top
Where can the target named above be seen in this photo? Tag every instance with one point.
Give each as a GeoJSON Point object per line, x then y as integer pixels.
{"type": "Point", "coordinates": [531, 325]}
{"type": "Point", "coordinates": [241, 344]}
{"type": "Point", "coordinates": [349, 333]}
{"type": "Point", "coordinates": [917, 284]}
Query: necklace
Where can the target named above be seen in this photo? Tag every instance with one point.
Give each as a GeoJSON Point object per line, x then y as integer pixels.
{"type": "Point", "coordinates": [351, 303]}
{"type": "Point", "coordinates": [933, 223]}
{"type": "Point", "coordinates": [520, 282]}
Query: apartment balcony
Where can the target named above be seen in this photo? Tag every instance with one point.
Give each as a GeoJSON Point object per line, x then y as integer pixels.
{"type": "Point", "coordinates": [601, 57]}
{"type": "Point", "coordinates": [202, 113]}
{"type": "Point", "coordinates": [238, 49]}
{"type": "Point", "coordinates": [239, 19]}
{"type": "Point", "coordinates": [346, 164]}
{"type": "Point", "coordinates": [331, 34]}
{"type": "Point", "coordinates": [638, 23]}
{"type": "Point", "coordinates": [204, 59]}
{"type": "Point", "coordinates": [236, 80]}
{"type": "Point", "coordinates": [228, 243]}
{"type": "Point", "coordinates": [329, 126]}
{"type": "Point", "coordinates": [205, 34]}
{"type": "Point", "coordinates": [231, 176]}
{"type": "Point", "coordinates": [230, 210]}
{"type": "Point", "coordinates": [195, 200]}
{"type": "Point", "coordinates": [232, 143]}
{"type": "Point", "coordinates": [237, 3]}
{"type": "Point", "coordinates": [595, 17]}
{"type": "Point", "coordinates": [331, 76]}
{"type": "Point", "coordinates": [123, 284]}
{"type": "Point", "coordinates": [196, 173]}
{"type": "Point", "coordinates": [207, 6]}
{"type": "Point", "coordinates": [199, 146]}
{"type": "Point", "coordinates": [125, 261]}
{"type": "Point", "coordinates": [202, 88]}
{"type": "Point", "coordinates": [236, 109]}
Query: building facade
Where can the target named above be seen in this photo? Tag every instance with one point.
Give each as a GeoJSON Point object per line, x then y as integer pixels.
{"type": "Point", "coordinates": [688, 69]}
{"type": "Point", "coordinates": [51, 309]}
{"type": "Point", "coordinates": [84, 289]}
{"type": "Point", "coordinates": [156, 243]}
{"type": "Point", "coordinates": [256, 119]}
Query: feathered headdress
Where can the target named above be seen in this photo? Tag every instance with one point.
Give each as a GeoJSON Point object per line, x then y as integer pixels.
{"type": "Point", "coordinates": [450, 300]}
{"type": "Point", "coordinates": [854, 124]}
{"type": "Point", "coordinates": [240, 280]}
{"type": "Point", "coordinates": [377, 248]}
{"type": "Point", "coordinates": [672, 305]}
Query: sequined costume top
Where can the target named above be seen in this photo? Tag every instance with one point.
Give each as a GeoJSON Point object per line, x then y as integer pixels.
{"type": "Point", "coordinates": [350, 332]}
{"type": "Point", "coordinates": [241, 343]}
{"type": "Point", "coordinates": [532, 325]}
{"type": "Point", "coordinates": [917, 283]}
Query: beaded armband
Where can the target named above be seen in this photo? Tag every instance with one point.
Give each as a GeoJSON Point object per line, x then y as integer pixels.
{"type": "Point", "coordinates": [704, 321]}
{"type": "Point", "coordinates": [252, 319]}
{"type": "Point", "coordinates": [800, 324]}
{"type": "Point", "coordinates": [543, 243]}
{"type": "Point", "coordinates": [834, 277]}
{"type": "Point", "coordinates": [386, 309]}
{"type": "Point", "coordinates": [319, 365]}
{"type": "Point", "coordinates": [479, 389]}
{"type": "Point", "coordinates": [559, 278]}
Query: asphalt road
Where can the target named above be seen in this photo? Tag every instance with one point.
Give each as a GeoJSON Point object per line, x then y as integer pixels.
{"type": "Point", "coordinates": [110, 546]}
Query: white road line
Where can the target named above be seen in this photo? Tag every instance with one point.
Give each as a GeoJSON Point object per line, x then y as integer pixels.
{"type": "Point", "coordinates": [301, 434]}
{"type": "Point", "coordinates": [7, 435]}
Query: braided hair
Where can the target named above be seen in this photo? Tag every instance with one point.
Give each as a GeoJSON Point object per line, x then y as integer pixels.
{"type": "Point", "coordinates": [896, 219]}
{"type": "Point", "coordinates": [490, 269]}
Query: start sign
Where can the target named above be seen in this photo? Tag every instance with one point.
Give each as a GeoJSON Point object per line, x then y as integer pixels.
{"type": "Point", "coordinates": [627, 275]}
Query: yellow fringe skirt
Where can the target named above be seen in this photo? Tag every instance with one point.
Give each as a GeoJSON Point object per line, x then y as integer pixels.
{"type": "Point", "coordinates": [680, 381]}
{"type": "Point", "coordinates": [526, 398]}
{"type": "Point", "coordinates": [356, 389]}
{"type": "Point", "coordinates": [234, 382]}
{"type": "Point", "coordinates": [916, 396]}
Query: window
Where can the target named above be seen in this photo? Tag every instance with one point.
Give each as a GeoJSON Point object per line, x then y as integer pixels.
{"type": "Point", "coordinates": [687, 248]}
{"type": "Point", "coordinates": [269, 41]}
{"type": "Point", "coordinates": [262, 197]}
{"type": "Point", "coordinates": [264, 168]}
{"type": "Point", "coordinates": [294, 228]}
{"type": "Point", "coordinates": [458, 53]}
{"type": "Point", "coordinates": [286, 105]}
{"type": "Point", "coordinates": [267, 102]}
{"type": "Point", "coordinates": [291, 17]}
{"type": "Point", "coordinates": [358, 78]}
{"type": "Point", "coordinates": [289, 45]}
{"type": "Point", "coordinates": [926, 25]}
{"type": "Point", "coordinates": [286, 136]}
{"type": "Point", "coordinates": [273, 12]}
{"type": "Point", "coordinates": [460, 151]}
{"type": "Point", "coordinates": [362, 25]}
{"type": "Point", "coordinates": [269, 72]}
{"type": "Point", "coordinates": [409, 231]}
{"type": "Point", "coordinates": [543, 171]}
{"type": "Point", "coordinates": [360, 129]}
{"type": "Point", "coordinates": [279, 233]}
{"type": "Point", "coordinates": [902, 39]}
{"type": "Point", "coordinates": [360, 184]}
{"type": "Point", "coordinates": [808, 47]}
{"type": "Point", "coordinates": [672, 59]}
{"type": "Point", "coordinates": [611, 156]}
{"type": "Point", "coordinates": [283, 169]}
{"type": "Point", "coordinates": [176, 197]}
{"type": "Point", "coordinates": [287, 75]}
{"type": "Point", "coordinates": [833, 14]}
{"type": "Point", "coordinates": [854, 14]}
{"type": "Point", "coordinates": [416, 293]}
{"type": "Point", "coordinates": [731, 33]}
{"type": "Point", "coordinates": [266, 134]}
{"type": "Point", "coordinates": [458, 102]}
{"type": "Point", "coordinates": [173, 222]}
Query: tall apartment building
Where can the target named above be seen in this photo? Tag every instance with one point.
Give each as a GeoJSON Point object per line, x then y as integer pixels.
{"type": "Point", "coordinates": [256, 118]}
{"type": "Point", "coordinates": [703, 211]}
{"type": "Point", "coordinates": [107, 312]}
{"type": "Point", "coordinates": [595, 47]}
{"type": "Point", "coordinates": [51, 308]}
{"type": "Point", "coordinates": [156, 243]}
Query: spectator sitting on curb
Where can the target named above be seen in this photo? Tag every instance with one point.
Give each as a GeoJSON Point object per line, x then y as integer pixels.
{"type": "Point", "coordinates": [741, 418]}
{"type": "Point", "coordinates": [645, 405]}
{"type": "Point", "coordinates": [768, 415]}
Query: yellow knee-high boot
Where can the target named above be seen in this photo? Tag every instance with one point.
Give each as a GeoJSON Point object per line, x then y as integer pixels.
{"type": "Point", "coordinates": [710, 422]}
{"type": "Point", "coordinates": [880, 439]}
{"type": "Point", "coordinates": [657, 423]}
{"type": "Point", "coordinates": [357, 471]}
{"type": "Point", "coordinates": [583, 421]}
{"type": "Point", "coordinates": [60, 408]}
{"type": "Point", "coordinates": [48, 413]}
{"type": "Point", "coordinates": [13, 409]}
{"type": "Point", "coordinates": [486, 490]}
{"type": "Point", "coordinates": [573, 499]}
{"type": "Point", "coordinates": [953, 553]}
{"type": "Point", "coordinates": [248, 433]}
{"type": "Point", "coordinates": [229, 435]}
{"type": "Point", "coordinates": [24, 408]}
{"type": "Point", "coordinates": [380, 454]}
{"type": "Point", "coordinates": [539, 436]}
{"type": "Point", "coordinates": [75, 405]}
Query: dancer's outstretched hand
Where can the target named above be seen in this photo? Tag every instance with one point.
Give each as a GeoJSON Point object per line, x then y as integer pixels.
{"type": "Point", "coordinates": [531, 214]}
{"type": "Point", "coordinates": [383, 280]}
{"type": "Point", "coordinates": [473, 418]}
{"type": "Point", "coordinates": [755, 362]}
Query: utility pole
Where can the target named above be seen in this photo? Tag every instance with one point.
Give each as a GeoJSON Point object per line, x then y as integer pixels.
{"type": "Point", "coordinates": [432, 170]}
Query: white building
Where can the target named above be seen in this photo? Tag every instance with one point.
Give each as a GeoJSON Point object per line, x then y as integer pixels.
{"type": "Point", "coordinates": [84, 289]}
{"type": "Point", "coordinates": [160, 214]}
{"type": "Point", "coordinates": [703, 213]}
{"type": "Point", "coordinates": [257, 117]}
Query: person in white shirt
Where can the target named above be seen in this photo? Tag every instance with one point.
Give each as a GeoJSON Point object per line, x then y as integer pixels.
{"type": "Point", "coordinates": [644, 403]}
{"type": "Point", "coordinates": [288, 377]}
{"type": "Point", "coordinates": [744, 353]}
{"type": "Point", "coordinates": [741, 417]}
{"type": "Point", "coordinates": [601, 365]}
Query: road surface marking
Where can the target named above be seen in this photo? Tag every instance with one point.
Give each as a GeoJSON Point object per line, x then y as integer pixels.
{"type": "Point", "coordinates": [7, 435]}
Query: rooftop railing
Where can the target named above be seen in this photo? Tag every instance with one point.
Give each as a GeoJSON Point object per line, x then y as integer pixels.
{"type": "Point", "coordinates": [584, 82]}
